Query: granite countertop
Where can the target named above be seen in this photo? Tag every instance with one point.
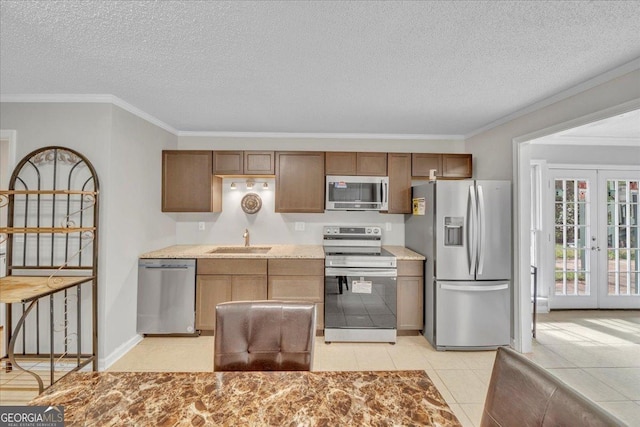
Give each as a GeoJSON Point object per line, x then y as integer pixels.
{"type": "Point", "coordinates": [276, 251]}
{"type": "Point", "coordinates": [249, 398]}
{"type": "Point", "coordinates": [203, 251]}
{"type": "Point", "coordinates": [404, 254]}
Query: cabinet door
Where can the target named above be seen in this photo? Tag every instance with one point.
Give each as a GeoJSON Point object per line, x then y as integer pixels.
{"type": "Point", "coordinates": [456, 166]}
{"type": "Point", "coordinates": [248, 288]}
{"type": "Point", "coordinates": [340, 163]}
{"type": "Point", "coordinates": [188, 184]}
{"type": "Point", "coordinates": [422, 163]}
{"type": "Point", "coordinates": [259, 163]}
{"type": "Point", "coordinates": [399, 183]}
{"type": "Point", "coordinates": [232, 266]}
{"type": "Point", "coordinates": [299, 181]}
{"type": "Point", "coordinates": [372, 164]}
{"type": "Point", "coordinates": [410, 303]}
{"type": "Point", "coordinates": [228, 162]}
{"type": "Point", "coordinates": [297, 288]}
{"type": "Point", "coordinates": [296, 267]}
{"type": "Point", "coordinates": [210, 291]}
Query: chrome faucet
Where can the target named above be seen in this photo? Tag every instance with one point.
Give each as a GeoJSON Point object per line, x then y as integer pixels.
{"type": "Point", "coordinates": [246, 237]}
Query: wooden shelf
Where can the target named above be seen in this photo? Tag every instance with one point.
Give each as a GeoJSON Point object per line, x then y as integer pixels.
{"type": "Point", "coordinates": [27, 288]}
{"type": "Point", "coordinates": [36, 230]}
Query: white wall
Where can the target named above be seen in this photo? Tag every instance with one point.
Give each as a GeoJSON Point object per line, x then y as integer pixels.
{"type": "Point", "coordinates": [135, 223]}
{"type": "Point", "coordinates": [126, 153]}
{"type": "Point", "coordinates": [493, 151]}
{"type": "Point", "coordinates": [267, 226]}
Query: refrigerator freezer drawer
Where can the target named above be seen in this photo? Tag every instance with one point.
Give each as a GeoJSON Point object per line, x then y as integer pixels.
{"type": "Point", "coordinates": [472, 314]}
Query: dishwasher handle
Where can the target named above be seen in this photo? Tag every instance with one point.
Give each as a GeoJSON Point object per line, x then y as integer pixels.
{"type": "Point", "coordinates": [166, 267]}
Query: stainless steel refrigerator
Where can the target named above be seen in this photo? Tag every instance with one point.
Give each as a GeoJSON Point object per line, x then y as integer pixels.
{"type": "Point", "coordinates": [463, 228]}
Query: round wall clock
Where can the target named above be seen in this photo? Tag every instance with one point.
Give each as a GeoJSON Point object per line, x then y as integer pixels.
{"type": "Point", "coordinates": [251, 203]}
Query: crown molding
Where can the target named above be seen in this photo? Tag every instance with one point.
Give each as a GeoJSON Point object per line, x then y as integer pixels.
{"type": "Point", "coordinates": [89, 99]}
{"type": "Point", "coordinates": [584, 86]}
{"type": "Point", "coordinates": [310, 135]}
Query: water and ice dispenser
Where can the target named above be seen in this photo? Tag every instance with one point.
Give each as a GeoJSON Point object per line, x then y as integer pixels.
{"type": "Point", "coordinates": [453, 230]}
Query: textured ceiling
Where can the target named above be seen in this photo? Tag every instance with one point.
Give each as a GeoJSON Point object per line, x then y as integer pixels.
{"type": "Point", "coordinates": [433, 67]}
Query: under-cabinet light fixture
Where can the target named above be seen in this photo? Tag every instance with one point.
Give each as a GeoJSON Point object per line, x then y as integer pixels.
{"type": "Point", "coordinates": [250, 184]}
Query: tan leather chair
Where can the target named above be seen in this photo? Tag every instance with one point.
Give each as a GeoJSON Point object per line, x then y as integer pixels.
{"type": "Point", "coordinates": [521, 393]}
{"type": "Point", "coordinates": [264, 336]}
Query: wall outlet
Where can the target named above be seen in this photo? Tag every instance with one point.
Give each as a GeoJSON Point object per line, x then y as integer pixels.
{"type": "Point", "coordinates": [387, 226]}
{"type": "Point", "coordinates": [201, 226]}
{"type": "Point", "coordinates": [299, 226]}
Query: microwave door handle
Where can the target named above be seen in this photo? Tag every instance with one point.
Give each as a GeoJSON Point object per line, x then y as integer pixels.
{"type": "Point", "coordinates": [385, 193]}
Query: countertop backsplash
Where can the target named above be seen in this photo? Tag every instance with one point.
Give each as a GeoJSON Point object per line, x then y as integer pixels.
{"type": "Point", "coordinates": [269, 227]}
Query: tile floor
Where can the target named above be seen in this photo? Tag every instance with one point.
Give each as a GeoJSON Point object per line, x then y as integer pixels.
{"type": "Point", "coordinates": [596, 352]}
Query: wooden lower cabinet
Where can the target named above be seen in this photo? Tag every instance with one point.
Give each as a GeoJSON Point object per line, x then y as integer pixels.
{"type": "Point", "coordinates": [410, 295]}
{"type": "Point", "coordinates": [298, 280]}
{"type": "Point", "coordinates": [228, 279]}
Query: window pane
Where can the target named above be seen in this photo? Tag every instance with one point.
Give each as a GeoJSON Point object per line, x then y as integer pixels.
{"type": "Point", "coordinates": [570, 191]}
{"type": "Point", "coordinates": [559, 190]}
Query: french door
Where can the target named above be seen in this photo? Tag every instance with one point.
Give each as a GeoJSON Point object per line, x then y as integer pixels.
{"type": "Point", "coordinates": [593, 217]}
{"type": "Point", "coordinates": [619, 268]}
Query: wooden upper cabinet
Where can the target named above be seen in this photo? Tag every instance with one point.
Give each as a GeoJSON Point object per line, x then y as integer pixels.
{"type": "Point", "coordinates": [457, 166]}
{"type": "Point", "coordinates": [340, 163]}
{"type": "Point", "coordinates": [259, 163]}
{"type": "Point", "coordinates": [351, 163]}
{"type": "Point", "coordinates": [399, 183]}
{"type": "Point", "coordinates": [243, 163]}
{"type": "Point", "coordinates": [422, 163]}
{"type": "Point", "coordinates": [446, 165]}
{"type": "Point", "coordinates": [299, 181]}
{"type": "Point", "coordinates": [188, 183]}
{"type": "Point", "coordinates": [372, 164]}
{"type": "Point", "coordinates": [228, 162]}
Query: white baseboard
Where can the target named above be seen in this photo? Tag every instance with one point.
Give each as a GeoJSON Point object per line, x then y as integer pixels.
{"type": "Point", "coordinates": [105, 362]}
{"type": "Point", "coordinates": [542, 305]}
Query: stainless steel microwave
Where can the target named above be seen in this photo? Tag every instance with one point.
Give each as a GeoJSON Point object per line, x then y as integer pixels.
{"type": "Point", "coordinates": [357, 193]}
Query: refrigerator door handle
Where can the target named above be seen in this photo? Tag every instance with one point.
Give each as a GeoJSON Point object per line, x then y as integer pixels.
{"type": "Point", "coordinates": [480, 288]}
{"type": "Point", "coordinates": [472, 231]}
{"type": "Point", "coordinates": [482, 232]}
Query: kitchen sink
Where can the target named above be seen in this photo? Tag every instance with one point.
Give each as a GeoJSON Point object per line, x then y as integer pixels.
{"type": "Point", "coordinates": [241, 250]}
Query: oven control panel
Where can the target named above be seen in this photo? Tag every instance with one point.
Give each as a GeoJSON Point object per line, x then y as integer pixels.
{"type": "Point", "coordinates": [352, 231]}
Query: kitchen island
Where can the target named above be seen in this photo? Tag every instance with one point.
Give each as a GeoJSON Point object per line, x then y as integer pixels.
{"type": "Point", "coordinates": [249, 398]}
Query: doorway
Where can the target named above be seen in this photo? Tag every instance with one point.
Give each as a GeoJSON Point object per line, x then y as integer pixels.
{"type": "Point", "coordinates": [612, 135]}
{"type": "Point", "coordinates": [592, 251]}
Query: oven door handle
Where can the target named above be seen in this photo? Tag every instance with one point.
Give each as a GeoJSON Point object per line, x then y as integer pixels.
{"type": "Point", "coordinates": [370, 272]}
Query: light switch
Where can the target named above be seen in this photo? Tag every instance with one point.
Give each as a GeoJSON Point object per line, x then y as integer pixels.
{"type": "Point", "coordinates": [387, 226]}
{"type": "Point", "coordinates": [201, 226]}
{"type": "Point", "coordinates": [299, 226]}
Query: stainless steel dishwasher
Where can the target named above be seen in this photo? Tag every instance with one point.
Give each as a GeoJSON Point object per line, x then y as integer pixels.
{"type": "Point", "coordinates": [166, 296]}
